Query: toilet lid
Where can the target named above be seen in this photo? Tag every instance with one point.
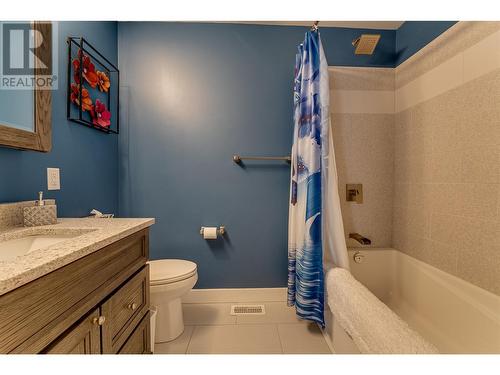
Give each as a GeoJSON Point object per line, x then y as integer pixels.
{"type": "Point", "coordinates": [164, 271]}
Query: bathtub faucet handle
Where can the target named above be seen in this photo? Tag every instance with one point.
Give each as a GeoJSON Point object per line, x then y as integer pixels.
{"type": "Point", "coordinates": [358, 257]}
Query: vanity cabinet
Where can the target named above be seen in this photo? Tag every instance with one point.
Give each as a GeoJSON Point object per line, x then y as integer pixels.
{"type": "Point", "coordinates": [84, 338]}
{"type": "Point", "coordinates": [96, 304]}
{"type": "Point", "coordinates": [126, 309]}
{"type": "Point", "coordinates": [139, 342]}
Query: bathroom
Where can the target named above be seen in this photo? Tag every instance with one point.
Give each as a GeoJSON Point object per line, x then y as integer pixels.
{"type": "Point", "coordinates": [165, 152]}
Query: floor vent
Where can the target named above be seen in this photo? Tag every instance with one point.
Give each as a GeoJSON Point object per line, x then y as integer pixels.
{"type": "Point", "coordinates": [248, 310]}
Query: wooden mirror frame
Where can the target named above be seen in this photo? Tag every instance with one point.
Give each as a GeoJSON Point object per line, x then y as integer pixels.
{"type": "Point", "coordinates": [41, 138]}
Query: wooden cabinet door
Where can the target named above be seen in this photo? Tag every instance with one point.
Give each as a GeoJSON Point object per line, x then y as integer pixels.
{"type": "Point", "coordinates": [124, 310]}
{"type": "Point", "coordinates": [139, 341]}
{"type": "Point", "coordinates": [83, 338]}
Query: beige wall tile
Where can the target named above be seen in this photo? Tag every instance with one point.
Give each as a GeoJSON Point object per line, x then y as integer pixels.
{"type": "Point", "coordinates": [448, 137]}
{"type": "Point", "coordinates": [402, 145]}
{"type": "Point", "coordinates": [479, 260]}
{"type": "Point", "coordinates": [479, 200]}
{"type": "Point", "coordinates": [417, 247]}
{"type": "Point", "coordinates": [446, 166]}
{"type": "Point", "coordinates": [419, 167]}
{"type": "Point", "coordinates": [443, 256]}
{"type": "Point", "coordinates": [400, 228]}
{"type": "Point", "coordinates": [450, 230]}
{"type": "Point", "coordinates": [402, 194]}
{"type": "Point", "coordinates": [418, 222]}
{"type": "Point", "coordinates": [440, 79]}
{"type": "Point", "coordinates": [362, 101]}
{"type": "Point", "coordinates": [482, 57]}
{"type": "Point", "coordinates": [420, 197]}
{"type": "Point", "coordinates": [341, 131]}
{"type": "Point", "coordinates": [481, 165]}
{"type": "Point", "coordinates": [455, 40]}
{"type": "Point", "coordinates": [481, 114]}
{"type": "Point", "coordinates": [401, 170]}
{"type": "Point", "coordinates": [402, 121]}
{"type": "Point", "coordinates": [446, 198]}
{"type": "Point", "coordinates": [445, 117]}
{"type": "Point", "coordinates": [364, 151]}
{"type": "Point", "coordinates": [372, 147]}
{"type": "Point", "coordinates": [498, 204]}
{"type": "Point", "coordinates": [354, 78]}
{"type": "Point", "coordinates": [446, 201]}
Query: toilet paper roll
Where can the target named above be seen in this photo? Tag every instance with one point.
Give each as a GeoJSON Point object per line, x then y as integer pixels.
{"type": "Point", "coordinates": [210, 233]}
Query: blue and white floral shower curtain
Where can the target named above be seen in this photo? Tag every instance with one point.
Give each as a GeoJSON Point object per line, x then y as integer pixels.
{"type": "Point", "coordinates": [315, 221]}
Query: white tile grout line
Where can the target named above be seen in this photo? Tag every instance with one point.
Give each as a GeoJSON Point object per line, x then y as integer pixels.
{"type": "Point", "coordinates": [327, 340]}
{"type": "Point", "coordinates": [189, 341]}
{"type": "Point", "coordinates": [276, 326]}
{"type": "Point", "coordinates": [279, 338]}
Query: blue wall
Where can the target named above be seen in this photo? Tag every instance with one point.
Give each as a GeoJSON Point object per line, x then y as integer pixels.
{"type": "Point", "coordinates": [87, 158]}
{"type": "Point", "coordinates": [339, 51]}
{"type": "Point", "coordinates": [193, 95]}
{"type": "Point", "coordinates": [412, 36]}
{"type": "Point", "coordinates": [197, 94]}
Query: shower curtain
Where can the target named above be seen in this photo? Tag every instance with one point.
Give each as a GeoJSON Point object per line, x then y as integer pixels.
{"type": "Point", "coordinates": [315, 221]}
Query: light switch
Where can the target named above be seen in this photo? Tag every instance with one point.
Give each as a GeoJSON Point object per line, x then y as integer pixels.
{"type": "Point", "coordinates": [53, 179]}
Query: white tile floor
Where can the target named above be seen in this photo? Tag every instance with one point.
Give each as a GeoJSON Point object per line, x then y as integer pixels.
{"type": "Point", "coordinates": [211, 329]}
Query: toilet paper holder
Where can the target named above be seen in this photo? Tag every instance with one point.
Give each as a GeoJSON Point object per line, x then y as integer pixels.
{"type": "Point", "coordinates": [220, 230]}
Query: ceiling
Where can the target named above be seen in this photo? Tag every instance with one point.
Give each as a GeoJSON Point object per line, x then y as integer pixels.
{"type": "Point", "coordinates": [390, 25]}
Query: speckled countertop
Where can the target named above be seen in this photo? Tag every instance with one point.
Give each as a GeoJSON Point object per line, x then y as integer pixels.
{"type": "Point", "coordinates": [90, 235]}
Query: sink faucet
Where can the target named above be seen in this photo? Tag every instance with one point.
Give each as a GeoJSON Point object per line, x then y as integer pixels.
{"type": "Point", "coordinates": [358, 237]}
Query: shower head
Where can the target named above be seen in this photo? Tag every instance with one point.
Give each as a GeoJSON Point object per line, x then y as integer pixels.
{"type": "Point", "coordinates": [365, 44]}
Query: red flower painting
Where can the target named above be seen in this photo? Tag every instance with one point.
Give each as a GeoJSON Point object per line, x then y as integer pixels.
{"type": "Point", "coordinates": [103, 81]}
{"type": "Point", "coordinates": [88, 71]}
{"type": "Point", "coordinates": [75, 97]}
{"type": "Point", "coordinates": [85, 78]}
{"type": "Point", "coordinates": [100, 115]}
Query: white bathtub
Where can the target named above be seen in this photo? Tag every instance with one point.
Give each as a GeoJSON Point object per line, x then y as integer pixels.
{"type": "Point", "coordinates": [452, 314]}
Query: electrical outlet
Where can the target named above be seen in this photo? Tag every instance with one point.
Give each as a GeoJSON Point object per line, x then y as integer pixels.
{"type": "Point", "coordinates": [53, 179]}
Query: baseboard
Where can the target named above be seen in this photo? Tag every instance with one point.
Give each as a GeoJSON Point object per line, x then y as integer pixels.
{"type": "Point", "coordinates": [237, 295]}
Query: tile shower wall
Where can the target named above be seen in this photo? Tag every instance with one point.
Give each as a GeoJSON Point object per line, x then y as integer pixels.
{"type": "Point", "coordinates": [362, 105]}
{"type": "Point", "coordinates": [447, 154]}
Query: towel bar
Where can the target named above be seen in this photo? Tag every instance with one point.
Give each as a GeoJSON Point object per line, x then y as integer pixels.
{"type": "Point", "coordinates": [238, 159]}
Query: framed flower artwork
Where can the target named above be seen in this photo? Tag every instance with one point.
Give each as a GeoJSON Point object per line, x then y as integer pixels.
{"type": "Point", "coordinates": [93, 87]}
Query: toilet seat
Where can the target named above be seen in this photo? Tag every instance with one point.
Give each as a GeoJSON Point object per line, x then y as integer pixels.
{"type": "Point", "coordinates": [167, 271]}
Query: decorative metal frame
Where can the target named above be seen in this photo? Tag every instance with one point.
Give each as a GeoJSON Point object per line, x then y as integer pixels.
{"type": "Point", "coordinates": [81, 44]}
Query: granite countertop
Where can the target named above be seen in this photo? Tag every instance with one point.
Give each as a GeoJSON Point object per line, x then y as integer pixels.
{"type": "Point", "coordinates": [90, 235]}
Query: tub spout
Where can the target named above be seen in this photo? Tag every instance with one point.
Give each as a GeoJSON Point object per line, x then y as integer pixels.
{"type": "Point", "coordinates": [358, 237]}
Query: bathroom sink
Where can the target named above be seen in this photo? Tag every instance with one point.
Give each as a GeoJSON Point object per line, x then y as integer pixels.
{"type": "Point", "coordinates": [11, 249]}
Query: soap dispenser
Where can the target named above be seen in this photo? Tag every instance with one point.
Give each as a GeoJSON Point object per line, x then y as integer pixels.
{"type": "Point", "coordinates": [40, 214]}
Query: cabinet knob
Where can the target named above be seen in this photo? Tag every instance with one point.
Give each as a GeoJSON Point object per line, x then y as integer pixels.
{"type": "Point", "coordinates": [132, 306]}
{"type": "Point", "coordinates": [99, 321]}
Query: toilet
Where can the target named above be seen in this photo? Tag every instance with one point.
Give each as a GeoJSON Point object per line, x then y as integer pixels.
{"type": "Point", "coordinates": [170, 279]}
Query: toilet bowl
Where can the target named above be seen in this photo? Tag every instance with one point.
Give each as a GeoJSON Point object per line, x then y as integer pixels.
{"type": "Point", "coordinates": [169, 280]}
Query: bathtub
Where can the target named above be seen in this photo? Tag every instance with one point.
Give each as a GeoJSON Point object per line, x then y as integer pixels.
{"type": "Point", "coordinates": [452, 314]}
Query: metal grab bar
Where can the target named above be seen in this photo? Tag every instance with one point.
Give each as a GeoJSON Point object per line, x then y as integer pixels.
{"type": "Point", "coordinates": [238, 159]}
